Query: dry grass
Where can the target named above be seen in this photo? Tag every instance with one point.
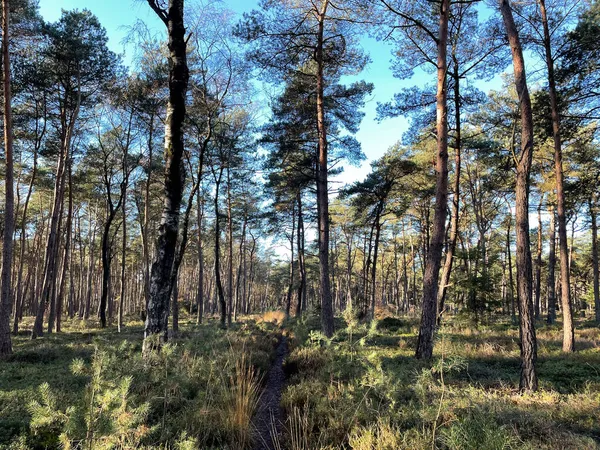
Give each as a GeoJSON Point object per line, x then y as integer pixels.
{"type": "Point", "coordinates": [245, 392]}
{"type": "Point", "coordinates": [369, 393]}
{"type": "Point", "coordinates": [276, 317]}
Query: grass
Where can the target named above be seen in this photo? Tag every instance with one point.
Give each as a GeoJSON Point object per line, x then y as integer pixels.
{"type": "Point", "coordinates": [89, 388]}
{"type": "Point", "coordinates": [362, 389]}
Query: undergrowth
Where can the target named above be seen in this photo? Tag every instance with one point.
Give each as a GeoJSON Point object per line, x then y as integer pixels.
{"type": "Point", "coordinates": [91, 389]}
{"type": "Point", "coordinates": [364, 390]}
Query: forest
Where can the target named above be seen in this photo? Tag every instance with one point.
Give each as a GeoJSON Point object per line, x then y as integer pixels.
{"type": "Point", "coordinates": [188, 261]}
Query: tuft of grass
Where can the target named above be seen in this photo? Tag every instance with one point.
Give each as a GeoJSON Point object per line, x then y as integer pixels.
{"type": "Point", "coordinates": [244, 388]}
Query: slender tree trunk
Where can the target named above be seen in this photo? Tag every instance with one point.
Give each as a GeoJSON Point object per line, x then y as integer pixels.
{"type": "Point", "coordinates": [551, 281]}
{"type": "Point", "coordinates": [322, 188]}
{"type": "Point", "coordinates": [447, 270]}
{"type": "Point", "coordinates": [106, 264]}
{"type": "Point", "coordinates": [160, 280]}
{"type": "Point", "coordinates": [288, 302]}
{"type": "Point", "coordinates": [175, 292]}
{"type": "Point", "coordinates": [9, 205]}
{"type": "Point", "coordinates": [434, 255]}
{"type": "Point", "coordinates": [301, 263]}
{"type": "Point", "coordinates": [90, 274]}
{"type": "Point", "coordinates": [67, 253]}
{"type": "Point", "coordinates": [146, 221]}
{"type": "Point", "coordinates": [374, 268]}
{"type": "Point", "coordinates": [219, 284]}
{"type": "Point", "coordinates": [511, 280]}
{"type": "Point", "coordinates": [51, 256]}
{"type": "Point", "coordinates": [528, 380]}
{"type": "Point", "coordinates": [200, 291]}
{"type": "Point", "coordinates": [123, 258]}
{"type": "Point", "coordinates": [229, 250]}
{"type": "Point", "coordinates": [538, 262]}
{"type": "Point", "coordinates": [593, 217]}
{"type": "Point", "coordinates": [567, 307]}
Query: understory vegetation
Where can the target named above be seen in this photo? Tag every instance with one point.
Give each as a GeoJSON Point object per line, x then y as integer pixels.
{"type": "Point", "coordinates": [90, 388]}
{"type": "Point", "coordinates": [361, 389]}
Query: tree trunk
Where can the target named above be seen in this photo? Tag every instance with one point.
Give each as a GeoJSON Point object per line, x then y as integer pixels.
{"type": "Point", "coordinates": [9, 206]}
{"type": "Point", "coordinates": [300, 251]}
{"type": "Point", "coordinates": [200, 291]}
{"type": "Point", "coordinates": [288, 302]}
{"type": "Point", "coordinates": [434, 254]}
{"type": "Point", "coordinates": [229, 249]}
{"type": "Point", "coordinates": [146, 221]}
{"type": "Point", "coordinates": [160, 279]}
{"type": "Point", "coordinates": [123, 257]}
{"type": "Point", "coordinates": [51, 256]}
{"type": "Point", "coordinates": [567, 307]}
{"type": "Point", "coordinates": [511, 280]}
{"type": "Point", "coordinates": [538, 262]}
{"type": "Point", "coordinates": [528, 380]}
{"type": "Point", "coordinates": [322, 190]}
{"type": "Point", "coordinates": [447, 270]}
{"type": "Point", "coordinates": [66, 256]}
{"type": "Point", "coordinates": [374, 268]}
{"type": "Point", "coordinates": [593, 218]}
{"type": "Point", "coordinates": [220, 294]}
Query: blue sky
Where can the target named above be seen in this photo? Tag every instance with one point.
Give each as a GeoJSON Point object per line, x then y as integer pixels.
{"type": "Point", "coordinates": [376, 138]}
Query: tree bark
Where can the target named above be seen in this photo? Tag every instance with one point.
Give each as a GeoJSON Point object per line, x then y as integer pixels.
{"type": "Point", "coordinates": [160, 280]}
{"type": "Point", "coordinates": [322, 189]}
{"type": "Point", "coordinates": [567, 307]}
{"type": "Point", "coordinates": [374, 268]}
{"type": "Point", "coordinates": [219, 284]}
{"type": "Point", "coordinates": [51, 256]}
{"type": "Point", "coordinates": [66, 254]}
{"type": "Point", "coordinates": [434, 254]}
{"type": "Point", "coordinates": [288, 301]}
{"type": "Point", "coordinates": [200, 291]}
{"type": "Point", "coordinates": [528, 381]}
{"type": "Point", "coordinates": [538, 262]}
{"type": "Point", "coordinates": [9, 206]}
{"type": "Point", "coordinates": [593, 218]}
{"type": "Point", "coordinates": [229, 247]}
{"type": "Point", "coordinates": [447, 270]}
{"type": "Point", "coordinates": [301, 263]}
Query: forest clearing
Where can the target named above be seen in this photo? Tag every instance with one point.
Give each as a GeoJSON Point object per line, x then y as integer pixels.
{"type": "Point", "coordinates": [300, 224]}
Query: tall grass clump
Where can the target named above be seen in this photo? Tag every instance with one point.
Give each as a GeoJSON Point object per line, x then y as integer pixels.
{"type": "Point", "coordinates": [245, 389]}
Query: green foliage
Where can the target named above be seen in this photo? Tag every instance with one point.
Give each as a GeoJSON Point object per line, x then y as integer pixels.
{"type": "Point", "coordinates": [200, 391]}
{"type": "Point", "coordinates": [103, 418]}
{"type": "Point", "coordinates": [377, 396]}
{"type": "Point", "coordinates": [477, 430]}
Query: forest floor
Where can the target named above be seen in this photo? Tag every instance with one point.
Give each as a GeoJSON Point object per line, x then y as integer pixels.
{"type": "Point", "coordinates": [362, 389]}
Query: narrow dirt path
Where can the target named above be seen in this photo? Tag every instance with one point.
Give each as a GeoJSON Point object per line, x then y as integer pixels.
{"type": "Point", "coordinates": [268, 419]}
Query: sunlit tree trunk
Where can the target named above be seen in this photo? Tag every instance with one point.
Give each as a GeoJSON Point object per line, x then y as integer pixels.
{"type": "Point", "coordinates": [538, 262]}
{"type": "Point", "coordinates": [160, 279]}
{"type": "Point", "coordinates": [434, 254]}
{"type": "Point", "coordinates": [447, 270]}
{"type": "Point", "coordinates": [301, 263]}
{"type": "Point", "coordinates": [567, 307]}
{"type": "Point", "coordinates": [528, 380]}
{"type": "Point", "coordinates": [9, 205]}
{"type": "Point", "coordinates": [322, 187]}
{"type": "Point", "coordinates": [200, 291]}
{"type": "Point", "coordinates": [593, 218]}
